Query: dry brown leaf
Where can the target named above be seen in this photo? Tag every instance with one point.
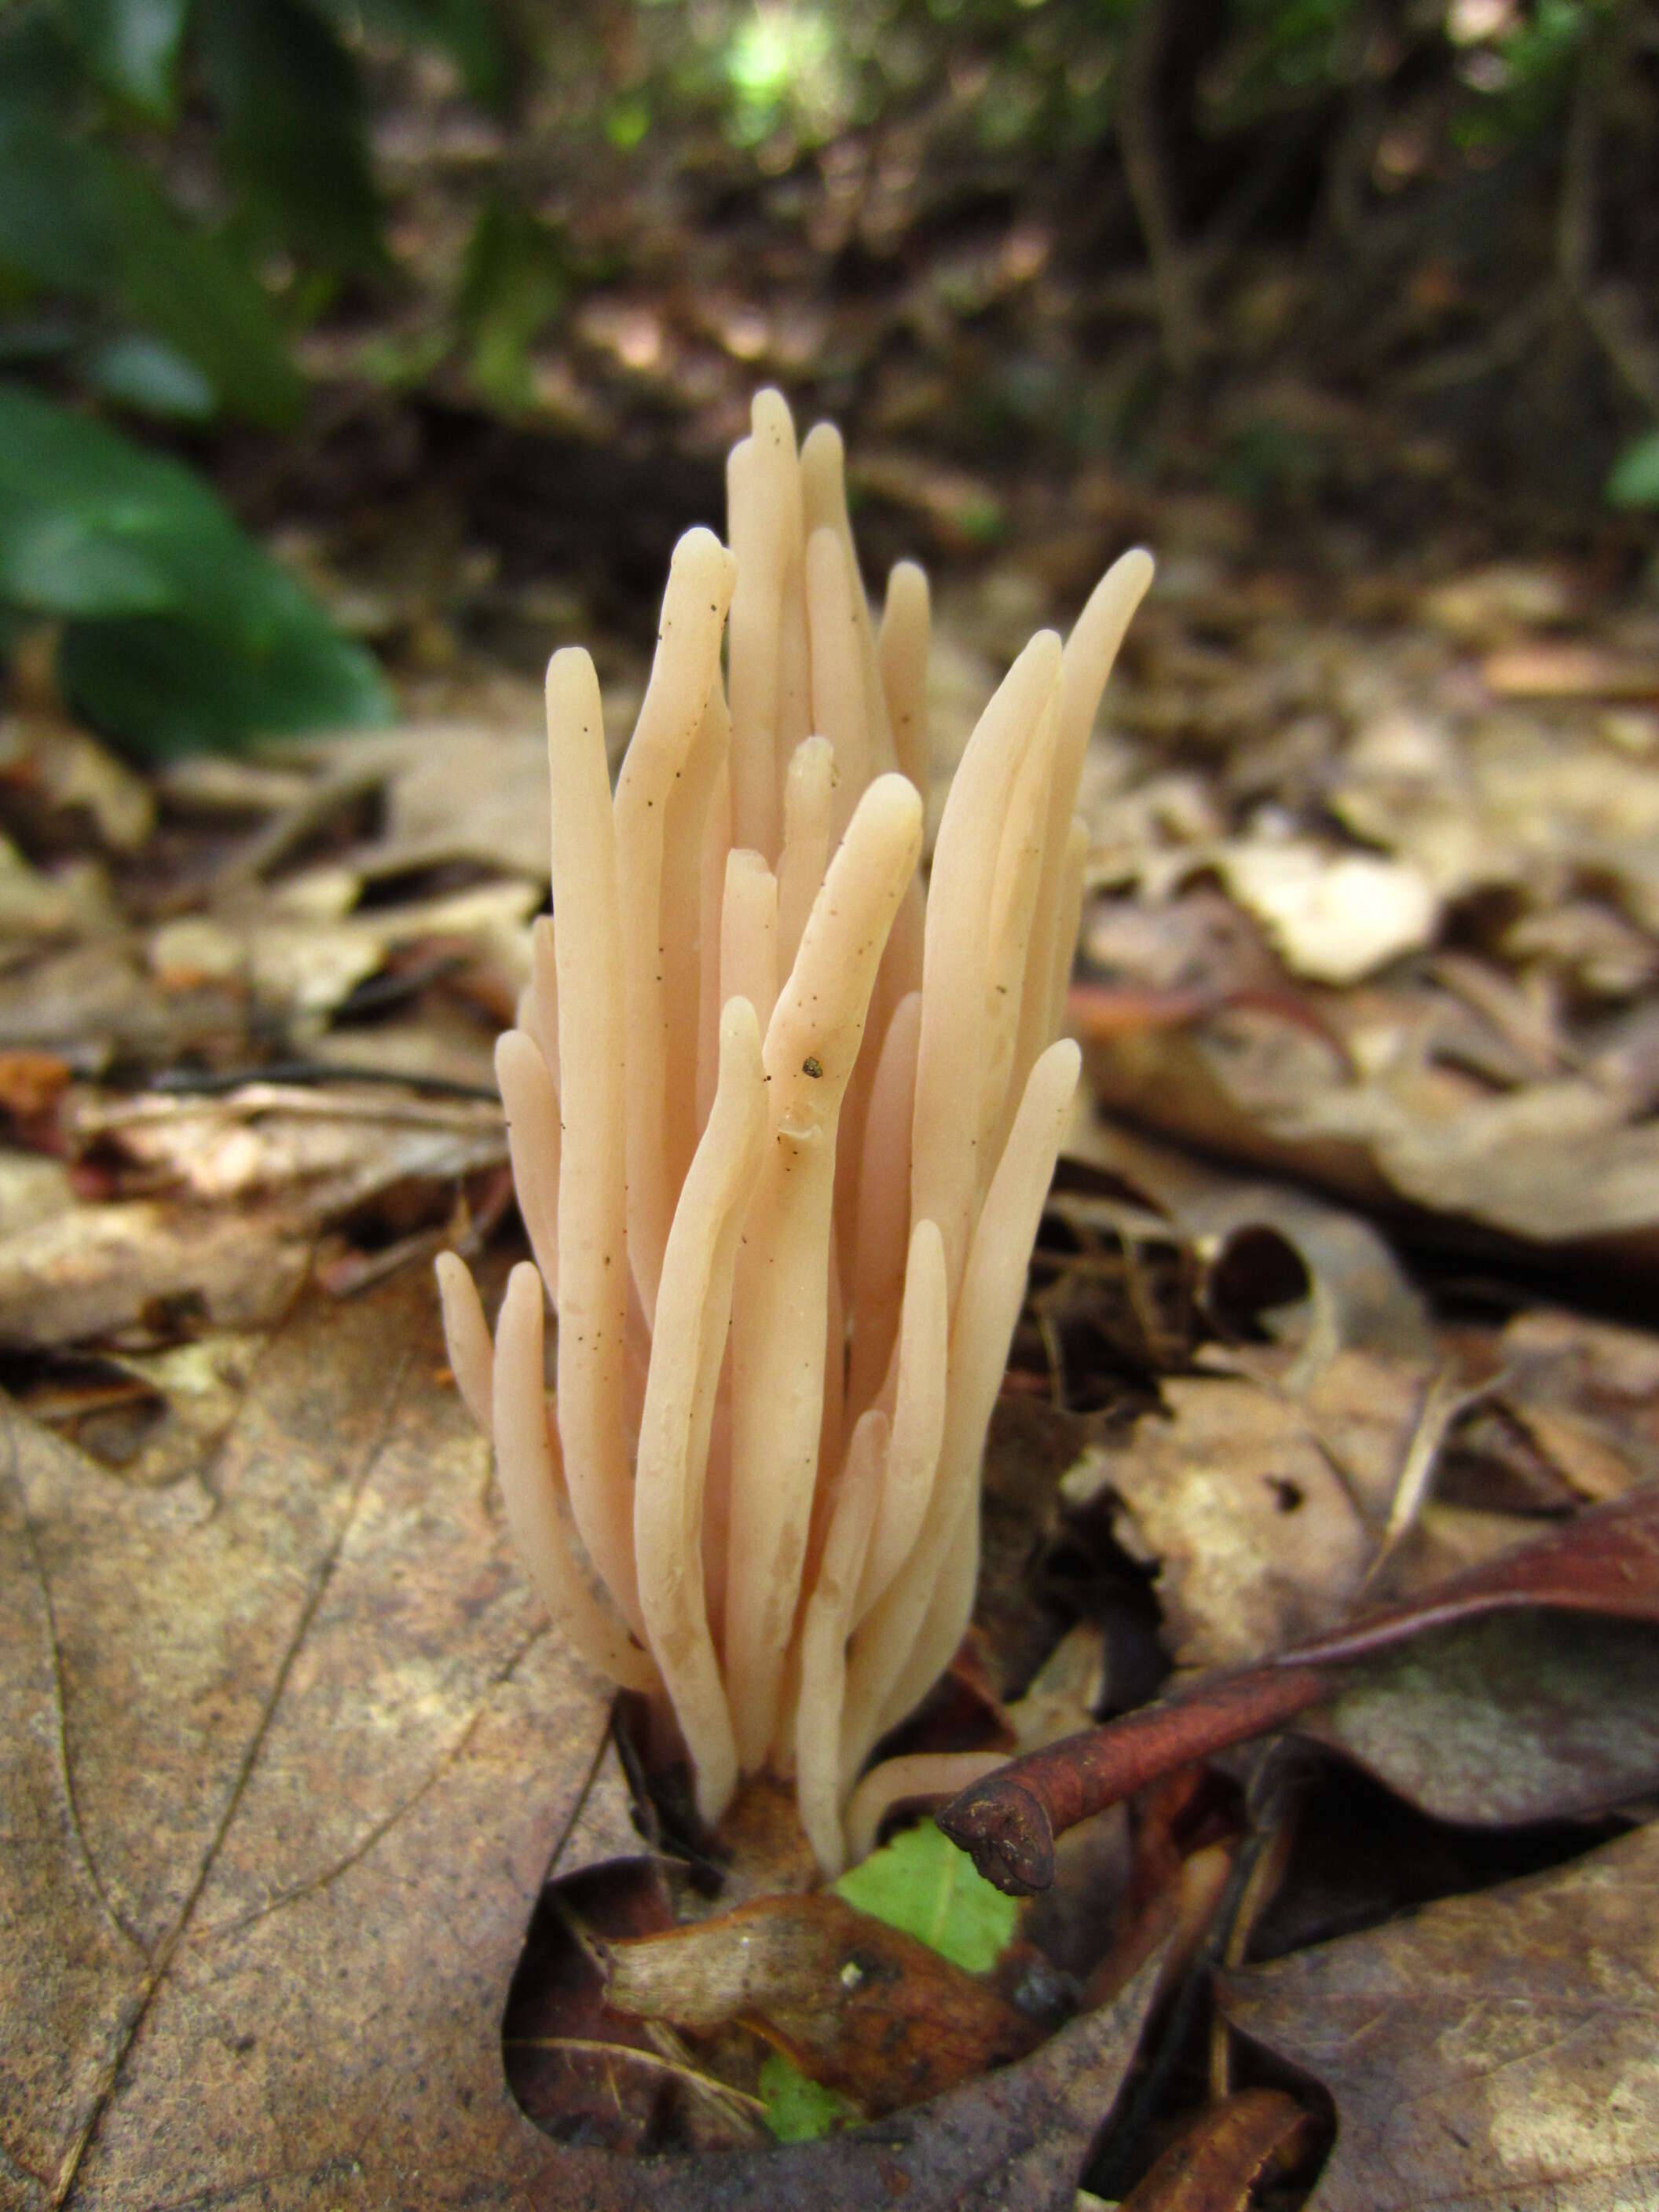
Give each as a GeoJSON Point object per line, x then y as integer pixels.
{"type": "Point", "coordinates": [1484, 605]}
{"type": "Point", "coordinates": [51, 773]}
{"type": "Point", "coordinates": [1553, 670]}
{"type": "Point", "coordinates": [1358, 1297]}
{"type": "Point", "coordinates": [455, 790]}
{"type": "Point", "coordinates": [856, 2004]}
{"type": "Point", "coordinates": [1499, 2049]}
{"type": "Point", "coordinates": [1560, 1161]}
{"type": "Point", "coordinates": [1334, 917]}
{"type": "Point", "coordinates": [1262, 1509]}
{"type": "Point", "coordinates": [153, 1415]}
{"type": "Point", "coordinates": [287, 1749]}
{"type": "Point", "coordinates": [149, 1266]}
{"type": "Point", "coordinates": [1216, 2165]}
{"type": "Point", "coordinates": [248, 1182]}
{"type": "Point", "coordinates": [31, 1083]}
{"type": "Point", "coordinates": [34, 1186]}
{"type": "Point", "coordinates": [1587, 1392]}
{"type": "Point", "coordinates": [88, 1002]}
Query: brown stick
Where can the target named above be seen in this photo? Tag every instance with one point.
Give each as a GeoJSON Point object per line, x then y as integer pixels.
{"type": "Point", "coordinates": [1604, 1562]}
{"type": "Point", "coordinates": [1010, 1819]}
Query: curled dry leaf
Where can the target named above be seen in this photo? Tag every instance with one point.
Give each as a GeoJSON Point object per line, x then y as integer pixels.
{"type": "Point", "coordinates": [1217, 2164]}
{"type": "Point", "coordinates": [1499, 2049]}
{"type": "Point", "coordinates": [858, 2005]}
{"type": "Point", "coordinates": [1252, 1239]}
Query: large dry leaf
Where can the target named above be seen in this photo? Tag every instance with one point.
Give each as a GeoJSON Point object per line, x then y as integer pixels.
{"type": "Point", "coordinates": [1514, 1718]}
{"type": "Point", "coordinates": [1495, 2050]}
{"type": "Point", "coordinates": [287, 1748]}
{"type": "Point", "coordinates": [1553, 1162]}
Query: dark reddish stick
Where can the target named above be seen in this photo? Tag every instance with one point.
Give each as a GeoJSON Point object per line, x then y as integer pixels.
{"type": "Point", "coordinates": [1010, 1819]}
{"type": "Point", "coordinates": [1605, 1561]}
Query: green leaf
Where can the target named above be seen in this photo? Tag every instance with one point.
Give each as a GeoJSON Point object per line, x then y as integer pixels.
{"type": "Point", "coordinates": [39, 74]}
{"type": "Point", "coordinates": [295, 126]}
{"type": "Point", "coordinates": [38, 338]}
{"type": "Point", "coordinates": [56, 561]}
{"type": "Point", "coordinates": [921, 1883]}
{"type": "Point", "coordinates": [131, 48]}
{"type": "Point", "coordinates": [798, 2109]}
{"type": "Point", "coordinates": [181, 632]}
{"type": "Point", "coordinates": [55, 222]}
{"type": "Point", "coordinates": [194, 291]}
{"type": "Point", "coordinates": [514, 281]}
{"type": "Point", "coordinates": [75, 219]}
{"type": "Point", "coordinates": [1635, 478]}
{"type": "Point", "coordinates": [263, 663]}
{"type": "Point", "coordinates": [136, 370]}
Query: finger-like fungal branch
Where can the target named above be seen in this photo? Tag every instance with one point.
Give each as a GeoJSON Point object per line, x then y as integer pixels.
{"type": "Point", "coordinates": [781, 1129]}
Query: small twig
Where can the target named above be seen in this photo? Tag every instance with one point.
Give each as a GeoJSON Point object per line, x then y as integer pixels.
{"type": "Point", "coordinates": [728, 2102]}
{"type": "Point", "coordinates": [1009, 1822]}
{"type": "Point", "coordinates": [594, 2049]}
{"type": "Point", "coordinates": [214, 1083]}
{"type": "Point", "coordinates": [1604, 1562]}
{"type": "Point", "coordinates": [1446, 1402]}
{"type": "Point", "coordinates": [264, 1096]}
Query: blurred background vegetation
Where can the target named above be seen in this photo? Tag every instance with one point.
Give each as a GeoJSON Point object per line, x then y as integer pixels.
{"type": "Point", "coordinates": [303, 299]}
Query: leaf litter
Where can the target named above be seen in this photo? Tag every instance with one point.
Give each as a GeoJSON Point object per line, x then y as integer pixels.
{"type": "Point", "coordinates": [1374, 910]}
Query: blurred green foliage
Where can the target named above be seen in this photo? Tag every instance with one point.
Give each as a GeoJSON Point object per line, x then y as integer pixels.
{"type": "Point", "coordinates": [1635, 478]}
{"type": "Point", "coordinates": [188, 186]}
{"type": "Point", "coordinates": [181, 182]}
{"type": "Point", "coordinates": [178, 631]}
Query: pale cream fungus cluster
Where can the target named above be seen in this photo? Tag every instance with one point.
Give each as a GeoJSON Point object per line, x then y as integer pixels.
{"type": "Point", "coordinates": [781, 1132]}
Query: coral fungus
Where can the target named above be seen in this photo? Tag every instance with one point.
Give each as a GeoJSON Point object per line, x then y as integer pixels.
{"type": "Point", "coordinates": [782, 1130]}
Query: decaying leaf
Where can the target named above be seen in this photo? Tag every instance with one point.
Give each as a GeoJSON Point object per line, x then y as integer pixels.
{"type": "Point", "coordinates": [1558, 1162]}
{"type": "Point", "coordinates": [1262, 1509]}
{"type": "Point", "coordinates": [1511, 1718]}
{"type": "Point", "coordinates": [1499, 2049]}
{"type": "Point", "coordinates": [1253, 1241]}
{"type": "Point", "coordinates": [858, 2005]}
{"type": "Point", "coordinates": [1335, 916]}
{"type": "Point", "coordinates": [1016, 2142]}
{"type": "Point", "coordinates": [1216, 2165]}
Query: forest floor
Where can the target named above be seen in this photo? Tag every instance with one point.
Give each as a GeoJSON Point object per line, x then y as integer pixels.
{"type": "Point", "coordinates": [1345, 1289]}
